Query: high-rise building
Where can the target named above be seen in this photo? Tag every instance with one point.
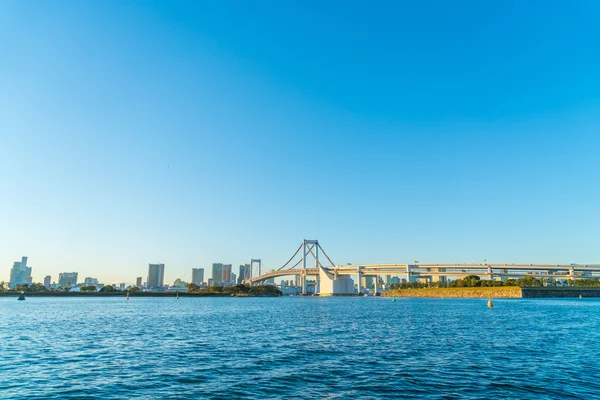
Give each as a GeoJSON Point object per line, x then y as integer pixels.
{"type": "Point", "coordinates": [227, 273]}
{"type": "Point", "coordinates": [138, 281]}
{"type": "Point", "coordinates": [90, 281]}
{"type": "Point", "coordinates": [121, 286]}
{"type": "Point", "coordinates": [233, 277]}
{"type": "Point", "coordinates": [244, 273]}
{"type": "Point", "coordinates": [20, 273]}
{"type": "Point", "coordinates": [47, 282]}
{"type": "Point", "coordinates": [156, 276]}
{"type": "Point", "coordinates": [67, 279]}
{"type": "Point", "coordinates": [217, 273]}
{"type": "Point", "coordinates": [197, 276]}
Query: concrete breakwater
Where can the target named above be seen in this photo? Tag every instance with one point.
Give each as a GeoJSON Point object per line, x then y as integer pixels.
{"type": "Point", "coordinates": [469, 292]}
{"type": "Point", "coordinates": [497, 292]}
{"type": "Point", "coordinates": [572, 291]}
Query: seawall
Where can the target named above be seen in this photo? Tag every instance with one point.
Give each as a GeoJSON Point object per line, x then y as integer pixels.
{"type": "Point", "coordinates": [498, 292]}
{"type": "Point", "coordinates": [572, 291]}
{"type": "Point", "coordinates": [474, 292]}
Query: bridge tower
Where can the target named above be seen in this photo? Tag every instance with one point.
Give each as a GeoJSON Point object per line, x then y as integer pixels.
{"type": "Point", "coordinates": [307, 247]}
{"type": "Point", "coordinates": [252, 262]}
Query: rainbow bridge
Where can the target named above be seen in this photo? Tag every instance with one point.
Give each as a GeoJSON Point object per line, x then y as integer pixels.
{"type": "Point", "coordinates": [309, 250]}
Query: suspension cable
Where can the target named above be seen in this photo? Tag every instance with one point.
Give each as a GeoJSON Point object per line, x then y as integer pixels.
{"type": "Point", "coordinates": [326, 256]}
{"type": "Point", "coordinates": [284, 265]}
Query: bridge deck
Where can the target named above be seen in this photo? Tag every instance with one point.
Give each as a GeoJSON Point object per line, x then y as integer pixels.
{"type": "Point", "coordinates": [498, 270]}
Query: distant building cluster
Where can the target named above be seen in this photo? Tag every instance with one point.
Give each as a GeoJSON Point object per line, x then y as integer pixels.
{"type": "Point", "coordinates": [222, 275]}
{"type": "Point", "coordinates": [67, 279]}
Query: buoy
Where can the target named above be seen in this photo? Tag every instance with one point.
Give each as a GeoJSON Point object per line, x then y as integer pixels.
{"type": "Point", "coordinates": [177, 295]}
{"type": "Point", "coordinates": [127, 296]}
{"type": "Point", "coordinates": [394, 299]}
{"type": "Point", "coordinates": [490, 303]}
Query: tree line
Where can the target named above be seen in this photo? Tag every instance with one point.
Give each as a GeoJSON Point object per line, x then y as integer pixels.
{"type": "Point", "coordinates": [39, 288]}
{"type": "Point", "coordinates": [259, 290]}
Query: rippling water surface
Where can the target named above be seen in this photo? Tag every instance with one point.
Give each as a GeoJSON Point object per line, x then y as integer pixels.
{"type": "Point", "coordinates": [294, 347]}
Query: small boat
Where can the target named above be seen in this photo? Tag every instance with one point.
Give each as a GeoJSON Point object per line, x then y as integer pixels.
{"type": "Point", "coordinates": [580, 296]}
{"type": "Point", "coordinates": [21, 296]}
{"type": "Point", "coordinates": [177, 295]}
{"type": "Point", "coordinates": [490, 303]}
{"type": "Point", "coordinates": [127, 298]}
{"type": "Point", "coordinates": [394, 298]}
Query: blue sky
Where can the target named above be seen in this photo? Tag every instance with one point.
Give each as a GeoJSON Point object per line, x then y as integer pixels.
{"type": "Point", "coordinates": [198, 132]}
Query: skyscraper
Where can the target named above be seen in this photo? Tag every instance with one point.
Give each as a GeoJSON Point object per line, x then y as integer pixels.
{"type": "Point", "coordinates": [197, 276]}
{"type": "Point", "coordinates": [138, 281]}
{"type": "Point", "coordinates": [244, 273]}
{"type": "Point", "coordinates": [47, 282]}
{"type": "Point", "coordinates": [227, 273]}
{"type": "Point", "coordinates": [156, 276]}
{"type": "Point", "coordinates": [67, 279]}
{"type": "Point", "coordinates": [20, 273]}
{"type": "Point", "coordinates": [217, 273]}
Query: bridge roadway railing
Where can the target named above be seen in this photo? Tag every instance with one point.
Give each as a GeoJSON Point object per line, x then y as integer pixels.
{"type": "Point", "coordinates": [286, 272]}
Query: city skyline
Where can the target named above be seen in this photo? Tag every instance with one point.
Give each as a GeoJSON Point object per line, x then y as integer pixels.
{"type": "Point", "coordinates": [184, 133]}
{"type": "Point", "coordinates": [28, 275]}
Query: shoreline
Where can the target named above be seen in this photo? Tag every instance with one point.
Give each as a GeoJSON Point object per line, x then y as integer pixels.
{"type": "Point", "coordinates": [124, 294]}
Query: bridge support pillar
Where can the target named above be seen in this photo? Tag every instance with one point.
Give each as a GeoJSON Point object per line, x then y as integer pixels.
{"type": "Point", "coordinates": [376, 284]}
{"type": "Point", "coordinates": [303, 280]}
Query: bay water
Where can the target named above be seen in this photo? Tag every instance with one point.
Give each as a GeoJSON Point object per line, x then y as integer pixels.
{"type": "Point", "coordinates": [298, 347]}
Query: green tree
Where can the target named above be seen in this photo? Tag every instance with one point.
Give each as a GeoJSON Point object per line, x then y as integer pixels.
{"type": "Point", "coordinates": [36, 288]}
{"type": "Point", "coordinates": [134, 289]}
{"type": "Point", "coordinates": [264, 290]}
{"type": "Point", "coordinates": [192, 287]}
{"type": "Point", "coordinates": [108, 289]}
{"type": "Point", "coordinates": [528, 281]}
{"type": "Point", "coordinates": [22, 288]}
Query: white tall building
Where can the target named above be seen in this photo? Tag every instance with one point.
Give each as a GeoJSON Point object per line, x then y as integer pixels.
{"type": "Point", "coordinates": [217, 274]}
{"type": "Point", "coordinates": [20, 273]}
{"type": "Point", "coordinates": [227, 273]}
{"type": "Point", "coordinates": [197, 276]}
{"type": "Point", "coordinates": [156, 276]}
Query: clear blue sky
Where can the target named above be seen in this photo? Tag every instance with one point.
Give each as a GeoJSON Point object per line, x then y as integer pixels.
{"type": "Point", "coordinates": [198, 132]}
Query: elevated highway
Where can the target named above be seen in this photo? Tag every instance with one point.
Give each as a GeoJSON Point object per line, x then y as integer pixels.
{"type": "Point", "coordinates": [424, 272]}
